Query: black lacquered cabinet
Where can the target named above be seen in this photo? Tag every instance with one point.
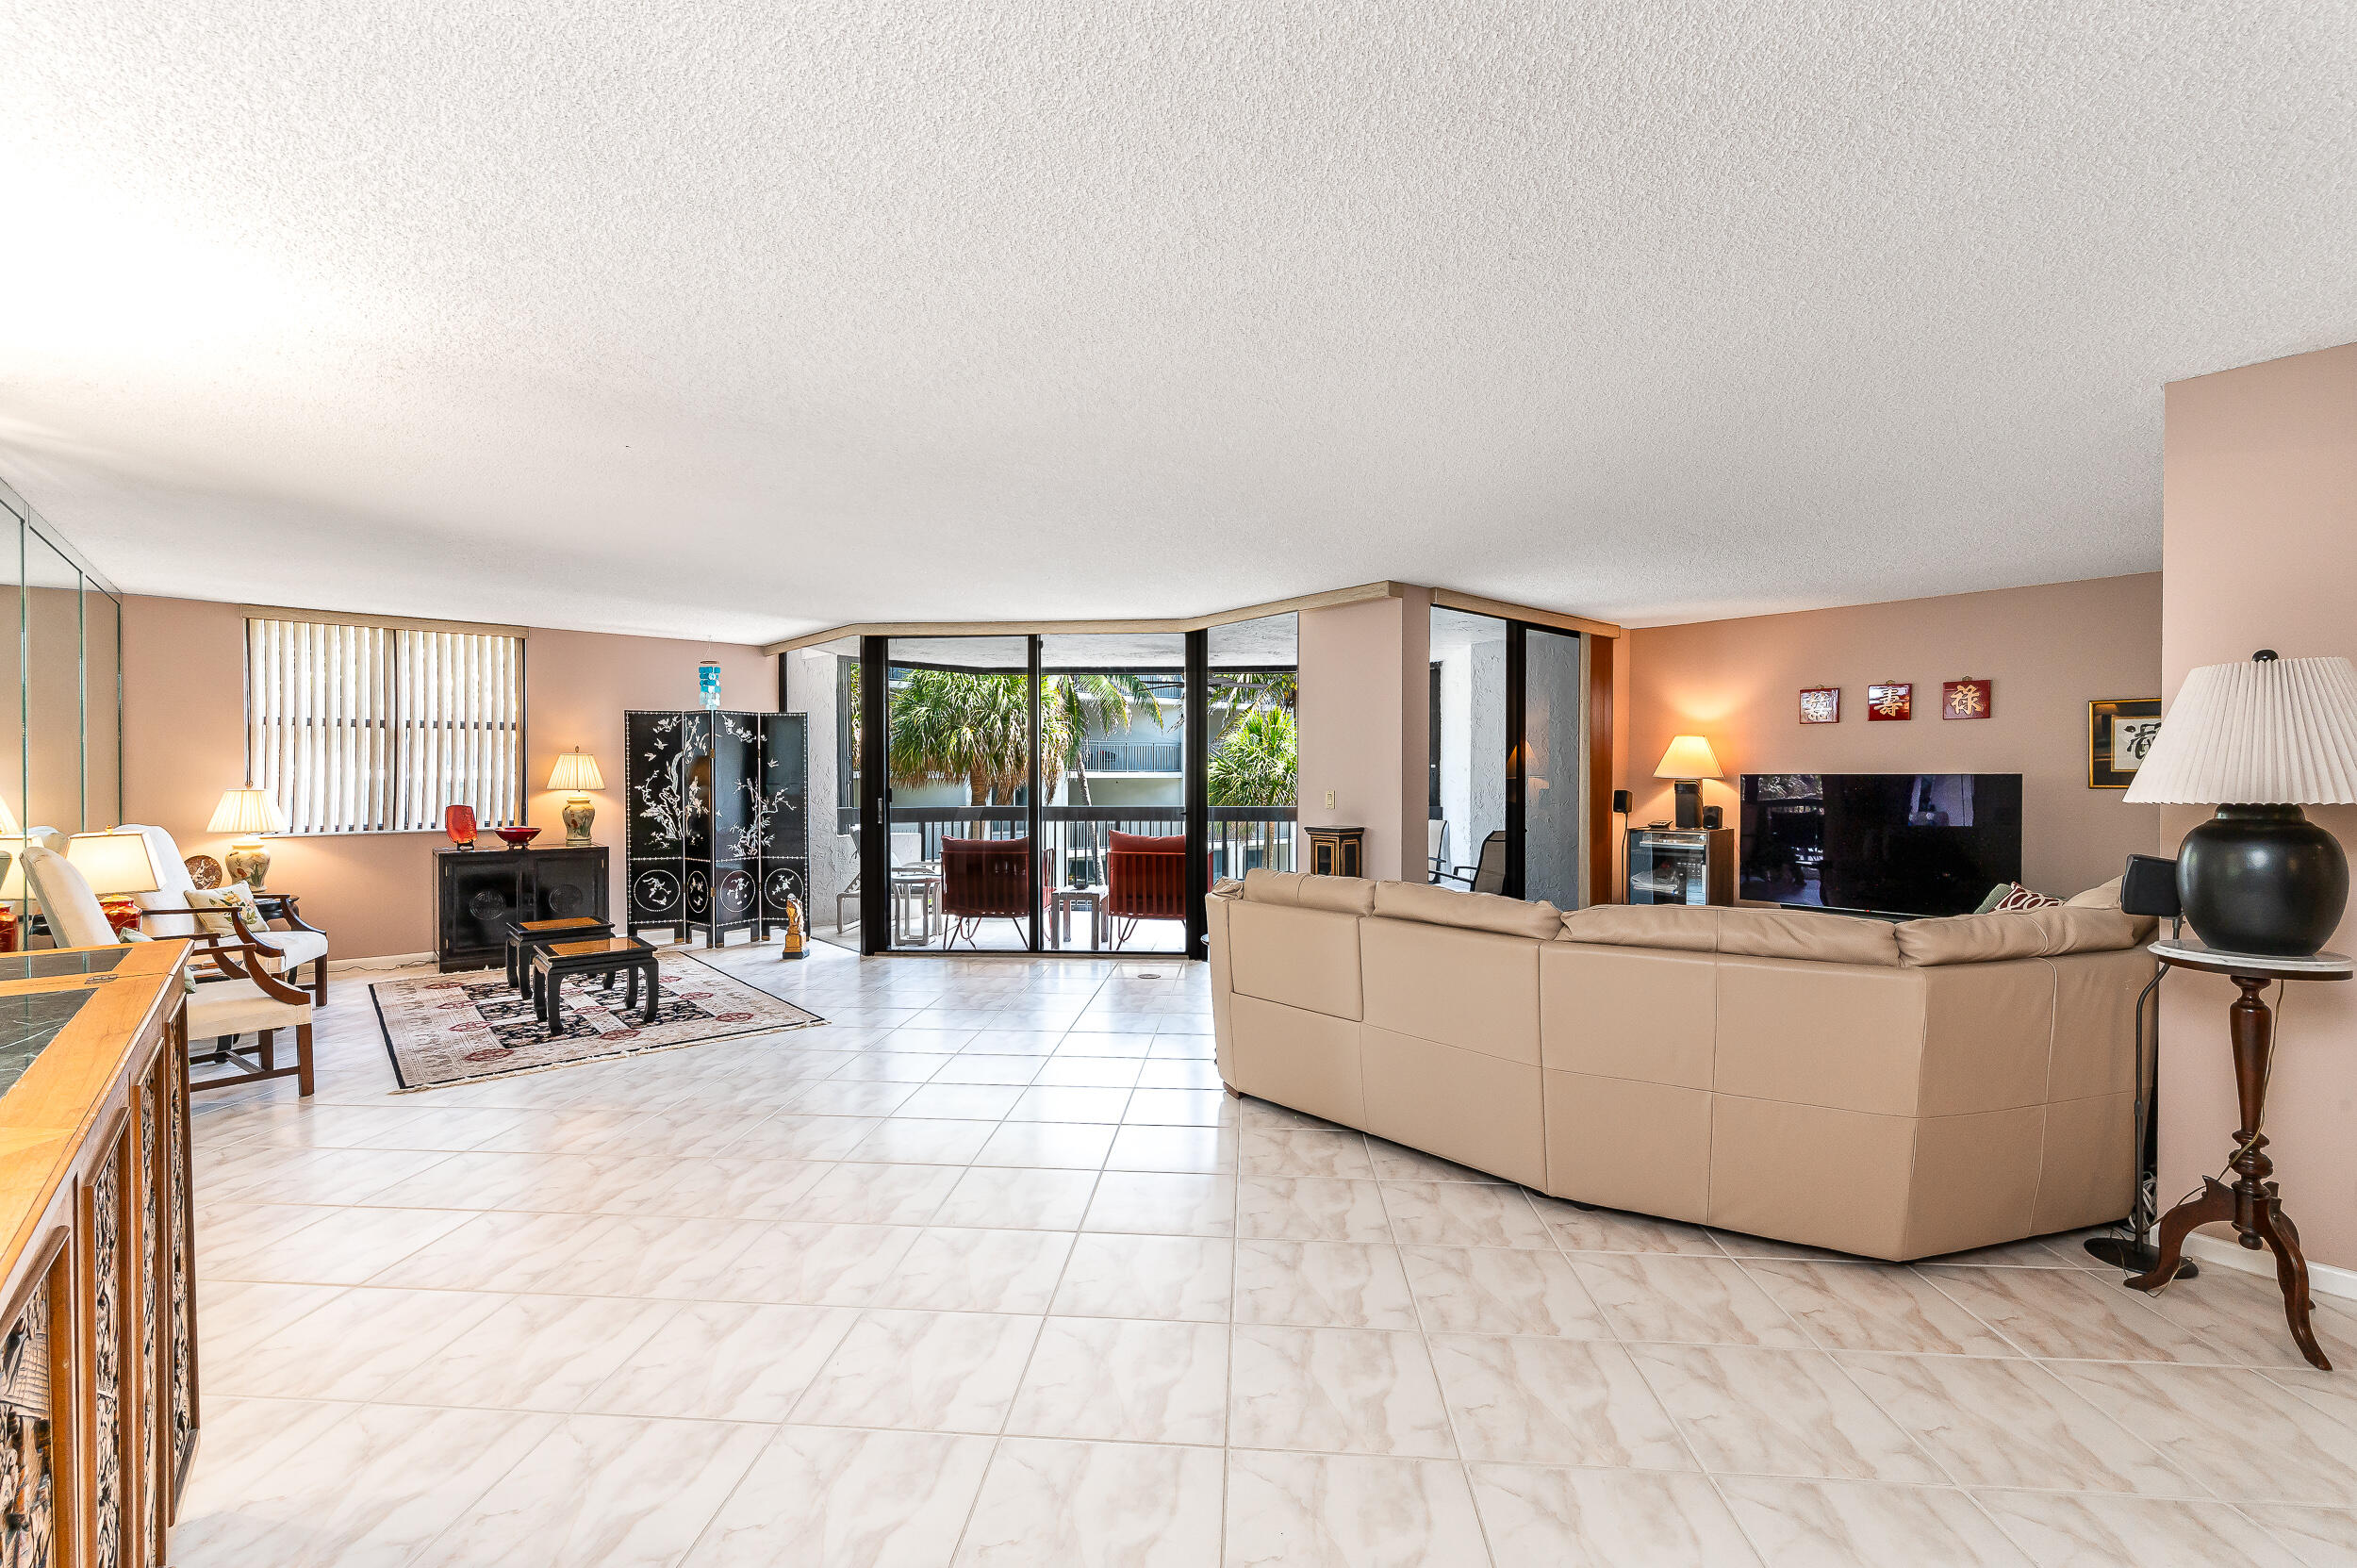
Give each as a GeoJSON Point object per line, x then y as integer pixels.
{"type": "Point", "coordinates": [718, 825]}
{"type": "Point", "coordinates": [476, 892]}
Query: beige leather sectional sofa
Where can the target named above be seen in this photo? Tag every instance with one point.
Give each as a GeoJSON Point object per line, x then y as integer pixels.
{"type": "Point", "coordinates": [1893, 1090]}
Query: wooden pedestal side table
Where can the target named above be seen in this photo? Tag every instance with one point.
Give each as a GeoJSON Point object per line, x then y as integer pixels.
{"type": "Point", "coordinates": [2252, 1204]}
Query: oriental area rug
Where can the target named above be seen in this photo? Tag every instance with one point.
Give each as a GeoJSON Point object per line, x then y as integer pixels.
{"type": "Point", "coordinates": [460, 1029]}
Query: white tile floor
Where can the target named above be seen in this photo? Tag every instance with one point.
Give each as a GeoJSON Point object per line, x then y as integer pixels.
{"type": "Point", "coordinates": [989, 1271]}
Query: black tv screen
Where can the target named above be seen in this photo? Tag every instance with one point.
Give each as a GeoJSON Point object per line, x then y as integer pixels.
{"type": "Point", "coordinates": [1880, 843]}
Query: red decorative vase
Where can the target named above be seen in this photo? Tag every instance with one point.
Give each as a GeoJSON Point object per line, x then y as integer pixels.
{"type": "Point", "coordinates": [458, 821]}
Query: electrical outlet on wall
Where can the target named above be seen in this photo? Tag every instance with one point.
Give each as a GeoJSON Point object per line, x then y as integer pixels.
{"type": "Point", "coordinates": [1329, 799]}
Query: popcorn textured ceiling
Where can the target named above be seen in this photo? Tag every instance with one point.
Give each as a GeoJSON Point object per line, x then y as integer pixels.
{"type": "Point", "coordinates": [678, 317]}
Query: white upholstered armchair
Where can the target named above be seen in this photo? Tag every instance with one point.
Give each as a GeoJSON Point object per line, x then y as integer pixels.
{"type": "Point", "coordinates": [246, 997]}
{"type": "Point", "coordinates": [296, 945]}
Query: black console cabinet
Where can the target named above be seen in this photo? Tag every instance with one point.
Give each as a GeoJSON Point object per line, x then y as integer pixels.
{"type": "Point", "coordinates": [476, 892]}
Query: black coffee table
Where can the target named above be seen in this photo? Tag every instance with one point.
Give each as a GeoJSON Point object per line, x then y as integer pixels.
{"type": "Point", "coordinates": [604, 957]}
{"type": "Point", "coordinates": [525, 936]}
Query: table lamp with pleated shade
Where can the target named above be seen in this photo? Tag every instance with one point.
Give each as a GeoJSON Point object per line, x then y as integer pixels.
{"type": "Point", "coordinates": [1688, 761]}
{"type": "Point", "coordinates": [245, 815]}
{"type": "Point", "coordinates": [577, 772]}
{"type": "Point", "coordinates": [2259, 741]}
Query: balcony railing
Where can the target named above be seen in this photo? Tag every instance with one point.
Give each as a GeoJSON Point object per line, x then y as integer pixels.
{"type": "Point", "coordinates": [1130, 756]}
{"type": "Point", "coordinates": [1077, 837]}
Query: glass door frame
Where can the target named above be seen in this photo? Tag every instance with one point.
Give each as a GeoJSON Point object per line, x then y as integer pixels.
{"type": "Point", "coordinates": [1596, 721]}
{"type": "Point", "coordinates": [875, 846]}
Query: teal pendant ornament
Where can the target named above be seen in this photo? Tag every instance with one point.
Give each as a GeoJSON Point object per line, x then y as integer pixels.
{"type": "Point", "coordinates": [708, 683]}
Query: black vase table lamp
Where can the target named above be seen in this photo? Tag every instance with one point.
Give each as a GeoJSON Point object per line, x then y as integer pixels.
{"type": "Point", "coordinates": [2259, 741]}
{"type": "Point", "coordinates": [2263, 889]}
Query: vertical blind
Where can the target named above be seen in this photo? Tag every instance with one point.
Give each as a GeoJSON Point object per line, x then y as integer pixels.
{"type": "Point", "coordinates": [376, 729]}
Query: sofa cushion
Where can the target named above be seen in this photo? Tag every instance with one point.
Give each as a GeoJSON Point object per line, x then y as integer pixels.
{"type": "Point", "coordinates": [1677, 926]}
{"type": "Point", "coordinates": [1303, 958]}
{"type": "Point", "coordinates": [2102, 896]}
{"type": "Point", "coordinates": [1474, 989]}
{"type": "Point", "coordinates": [1338, 895]}
{"type": "Point", "coordinates": [1449, 906]}
{"type": "Point", "coordinates": [1822, 938]}
{"type": "Point", "coordinates": [2048, 932]}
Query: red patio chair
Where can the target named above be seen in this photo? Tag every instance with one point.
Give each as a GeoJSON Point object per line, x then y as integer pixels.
{"type": "Point", "coordinates": [1146, 879]}
{"type": "Point", "coordinates": [984, 878]}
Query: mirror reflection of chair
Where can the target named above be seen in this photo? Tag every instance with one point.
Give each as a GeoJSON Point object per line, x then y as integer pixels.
{"type": "Point", "coordinates": [299, 944]}
{"type": "Point", "coordinates": [1489, 876]}
{"type": "Point", "coordinates": [1146, 879]}
{"type": "Point", "coordinates": [242, 997]}
{"type": "Point", "coordinates": [984, 879]}
{"type": "Point", "coordinates": [1436, 848]}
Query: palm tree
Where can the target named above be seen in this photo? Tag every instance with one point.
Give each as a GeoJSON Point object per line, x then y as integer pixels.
{"type": "Point", "coordinates": [1256, 761]}
{"type": "Point", "coordinates": [956, 724]}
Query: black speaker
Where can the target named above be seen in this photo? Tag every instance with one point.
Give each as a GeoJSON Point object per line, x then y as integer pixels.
{"type": "Point", "coordinates": [2150, 887]}
{"type": "Point", "coordinates": [1714, 816]}
{"type": "Point", "coordinates": [1622, 802]}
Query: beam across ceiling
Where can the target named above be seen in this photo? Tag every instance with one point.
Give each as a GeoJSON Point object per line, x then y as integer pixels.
{"type": "Point", "coordinates": [1326, 600]}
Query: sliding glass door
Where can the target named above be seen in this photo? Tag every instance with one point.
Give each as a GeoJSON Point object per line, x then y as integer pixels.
{"type": "Point", "coordinates": [960, 743]}
{"type": "Point", "coordinates": [1113, 799]}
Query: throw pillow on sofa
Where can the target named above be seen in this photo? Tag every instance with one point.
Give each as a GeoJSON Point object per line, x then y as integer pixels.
{"type": "Point", "coordinates": [2009, 897]}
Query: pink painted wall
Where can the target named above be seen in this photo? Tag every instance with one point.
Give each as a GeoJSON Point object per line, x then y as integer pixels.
{"type": "Point", "coordinates": [2259, 526]}
{"type": "Point", "coordinates": [1363, 708]}
{"type": "Point", "coordinates": [184, 743]}
{"type": "Point", "coordinates": [2050, 650]}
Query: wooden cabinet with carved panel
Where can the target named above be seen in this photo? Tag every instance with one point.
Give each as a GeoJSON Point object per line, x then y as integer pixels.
{"type": "Point", "coordinates": [98, 1412]}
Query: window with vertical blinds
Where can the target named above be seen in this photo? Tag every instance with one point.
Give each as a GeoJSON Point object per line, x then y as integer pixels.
{"type": "Point", "coordinates": [376, 729]}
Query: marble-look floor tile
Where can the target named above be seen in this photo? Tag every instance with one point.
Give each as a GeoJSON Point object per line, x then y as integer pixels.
{"type": "Point", "coordinates": [2242, 1315]}
{"type": "Point", "coordinates": [1650, 1295]}
{"type": "Point", "coordinates": [943, 1372]}
{"type": "Point", "coordinates": [1779, 1412]}
{"type": "Point", "coordinates": [728, 1188]}
{"type": "Point", "coordinates": [533, 1353]}
{"type": "Point", "coordinates": [305, 1485]}
{"type": "Point", "coordinates": [2069, 1313]}
{"type": "Point", "coordinates": [1554, 1401]}
{"type": "Point", "coordinates": [795, 1136]}
{"type": "Point", "coordinates": [1180, 1108]}
{"type": "Point", "coordinates": [1162, 1203]}
{"type": "Point", "coordinates": [2012, 1423]}
{"type": "Point", "coordinates": [1106, 1505]}
{"type": "Point", "coordinates": [2060, 1530]}
{"type": "Point", "coordinates": [604, 1492]}
{"type": "Point", "coordinates": [1322, 1285]}
{"type": "Point", "coordinates": [1048, 1145]}
{"type": "Point", "coordinates": [2244, 1436]}
{"type": "Point", "coordinates": [1190, 1150]}
{"type": "Point", "coordinates": [1859, 1525]}
{"type": "Point", "coordinates": [1015, 1198]}
{"type": "Point", "coordinates": [1341, 1155]}
{"type": "Point", "coordinates": [351, 1345]}
{"type": "Point", "coordinates": [1578, 1229]}
{"type": "Point", "coordinates": [497, 1252]}
{"type": "Point", "coordinates": [2320, 1537]}
{"type": "Point", "coordinates": [1335, 1391]}
{"type": "Point", "coordinates": [1560, 1518]}
{"type": "Point", "coordinates": [1311, 1208]}
{"type": "Point", "coordinates": [879, 1195]}
{"type": "Point", "coordinates": [1493, 1289]}
{"type": "Point", "coordinates": [1463, 1214]}
{"type": "Point", "coordinates": [1327, 1510]}
{"type": "Point", "coordinates": [1089, 1072]}
{"type": "Point", "coordinates": [1874, 1307]}
{"type": "Point", "coordinates": [836, 1265]}
{"type": "Point", "coordinates": [1397, 1163]}
{"type": "Point", "coordinates": [921, 1141]}
{"type": "Point", "coordinates": [1048, 1104]}
{"type": "Point", "coordinates": [717, 1361]}
{"type": "Point", "coordinates": [1126, 1380]}
{"type": "Point", "coordinates": [321, 1247]}
{"type": "Point", "coordinates": [978, 1271]}
{"type": "Point", "coordinates": [1185, 1279]}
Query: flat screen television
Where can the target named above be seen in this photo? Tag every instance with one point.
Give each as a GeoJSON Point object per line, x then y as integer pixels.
{"type": "Point", "coordinates": [1879, 843]}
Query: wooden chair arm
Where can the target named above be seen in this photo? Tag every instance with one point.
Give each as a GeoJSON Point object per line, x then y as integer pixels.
{"type": "Point", "coordinates": [218, 946]}
{"type": "Point", "coordinates": [282, 906]}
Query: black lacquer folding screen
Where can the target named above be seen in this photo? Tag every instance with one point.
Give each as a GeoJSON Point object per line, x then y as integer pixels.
{"type": "Point", "coordinates": [719, 820]}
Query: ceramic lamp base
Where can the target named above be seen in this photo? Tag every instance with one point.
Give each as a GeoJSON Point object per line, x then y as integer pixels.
{"type": "Point", "coordinates": [2263, 880]}
{"type": "Point", "coordinates": [248, 863]}
{"type": "Point", "coordinates": [578, 815]}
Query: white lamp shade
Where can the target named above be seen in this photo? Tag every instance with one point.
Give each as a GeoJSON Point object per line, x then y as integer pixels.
{"type": "Point", "coordinates": [576, 770]}
{"type": "Point", "coordinates": [113, 863]}
{"type": "Point", "coordinates": [2260, 733]}
{"type": "Point", "coordinates": [246, 812]}
{"type": "Point", "coordinates": [8, 828]}
{"type": "Point", "coordinates": [1688, 757]}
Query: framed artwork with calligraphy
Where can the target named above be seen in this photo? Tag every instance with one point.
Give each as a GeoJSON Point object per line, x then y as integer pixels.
{"type": "Point", "coordinates": [1967, 698]}
{"type": "Point", "coordinates": [1890, 700]}
{"type": "Point", "coordinates": [2121, 732]}
{"type": "Point", "coordinates": [1820, 705]}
